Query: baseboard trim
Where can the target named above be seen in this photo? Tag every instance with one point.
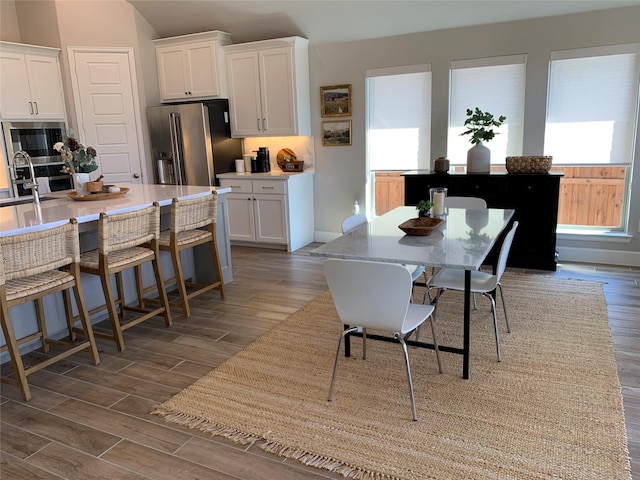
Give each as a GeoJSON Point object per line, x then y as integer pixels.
{"type": "Point", "coordinates": [597, 255]}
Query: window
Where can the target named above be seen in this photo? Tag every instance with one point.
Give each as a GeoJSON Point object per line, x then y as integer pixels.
{"type": "Point", "coordinates": [592, 110]}
{"type": "Point", "coordinates": [494, 85]}
{"type": "Point", "coordinates": [398, 131]}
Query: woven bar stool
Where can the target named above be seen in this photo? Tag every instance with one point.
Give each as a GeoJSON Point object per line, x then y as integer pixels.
{"type": "Point", "coordinates": [125, 240]}
{"type": "Point", "coordinates": [30, 270]}
{"type": "Point", "coordinates": [189, 217]}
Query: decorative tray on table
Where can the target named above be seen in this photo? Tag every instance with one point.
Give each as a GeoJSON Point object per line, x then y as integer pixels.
{"type": "Point", "coordinates": [421, 225]}
{"type": "Point", "coordinates": [97, 196]}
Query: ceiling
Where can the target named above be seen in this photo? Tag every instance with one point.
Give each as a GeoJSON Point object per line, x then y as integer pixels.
{"type": "Point", "coordinates": [328, 21]}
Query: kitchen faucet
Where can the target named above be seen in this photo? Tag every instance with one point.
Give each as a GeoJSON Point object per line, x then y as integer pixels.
{"type": "Point", "coordinates": [33, 184]}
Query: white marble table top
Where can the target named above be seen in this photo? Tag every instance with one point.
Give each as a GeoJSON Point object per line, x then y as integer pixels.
{"type": "Point", "coordinates": [463, 242]}
{"type": "Point", "coordinates": [51, 212]}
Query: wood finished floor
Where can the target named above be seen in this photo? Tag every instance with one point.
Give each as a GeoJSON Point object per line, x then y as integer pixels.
{"type": "Point", "coordinates": [87, 422]}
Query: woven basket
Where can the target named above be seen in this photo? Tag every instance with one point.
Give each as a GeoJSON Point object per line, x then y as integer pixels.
{"type": "Point", "coordinates": [292, 166]}
{"type": "Point", "coordinates": [529, 164]}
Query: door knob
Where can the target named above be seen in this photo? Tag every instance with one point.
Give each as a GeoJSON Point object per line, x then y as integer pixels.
{"type": "Point", "coordinates": [136, 175]}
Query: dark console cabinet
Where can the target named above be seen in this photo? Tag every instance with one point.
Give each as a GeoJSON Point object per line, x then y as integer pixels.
{"type": "Point", "coordinates": [533, 197]}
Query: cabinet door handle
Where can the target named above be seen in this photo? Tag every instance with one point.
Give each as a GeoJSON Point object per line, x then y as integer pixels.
{"type": "Point", "coordinates": [268, 188]}
{"type": "Point", "coordinates": [258, 123]}
{"type": "Point", "coordinates": [36, 105]}
{"type": "Point", "coordinates": [263, 127]}
{"type": "Point", "coordinates": [31, 108]}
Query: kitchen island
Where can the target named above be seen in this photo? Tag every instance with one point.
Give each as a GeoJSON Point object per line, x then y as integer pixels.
{"type": "Point", "coordinates": [58, 207]}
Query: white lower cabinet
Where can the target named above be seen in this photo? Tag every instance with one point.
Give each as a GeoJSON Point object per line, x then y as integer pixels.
{"type": "Point", "coordinates": [270, 210]}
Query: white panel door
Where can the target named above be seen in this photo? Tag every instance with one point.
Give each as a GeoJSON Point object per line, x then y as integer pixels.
{"type": "Point", "coordinates": [107, 115]}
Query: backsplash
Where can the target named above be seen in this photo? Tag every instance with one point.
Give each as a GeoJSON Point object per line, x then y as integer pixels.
{"type": "Point", "coordinates": [302, 146]}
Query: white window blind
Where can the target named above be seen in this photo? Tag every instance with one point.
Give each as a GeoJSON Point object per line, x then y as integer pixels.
{"type": "Point", "coordinates": [495, 85]}
{"type": "Point", "coordinates": [399, 118]}
{"type": "Point", "coordinates": [592, 106]}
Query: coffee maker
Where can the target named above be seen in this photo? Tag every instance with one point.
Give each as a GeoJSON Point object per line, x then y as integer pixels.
{"type": "Point", "coordinates": [261, 162]}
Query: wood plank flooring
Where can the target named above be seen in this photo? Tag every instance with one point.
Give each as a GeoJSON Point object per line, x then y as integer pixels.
{"type": "Point", "coordinates": [87, 422]}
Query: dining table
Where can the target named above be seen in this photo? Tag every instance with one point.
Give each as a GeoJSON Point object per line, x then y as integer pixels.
{"type": "Point", "coordinates": [462, 241]}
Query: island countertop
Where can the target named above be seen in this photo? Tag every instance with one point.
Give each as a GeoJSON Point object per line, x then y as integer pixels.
{"type": "Point", "coordinates": [58, 207]}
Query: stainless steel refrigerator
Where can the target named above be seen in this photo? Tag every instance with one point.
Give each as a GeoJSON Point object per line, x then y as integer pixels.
{"type": "Point", "coordinates": [191, 142]}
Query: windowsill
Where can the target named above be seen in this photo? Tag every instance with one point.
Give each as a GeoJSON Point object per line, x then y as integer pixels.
{"type": "Point", "coordinates": [591, 236]}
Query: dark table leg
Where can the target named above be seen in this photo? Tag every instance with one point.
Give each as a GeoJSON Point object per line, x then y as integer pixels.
{"type": "Point", "coordinates": [467, 323]}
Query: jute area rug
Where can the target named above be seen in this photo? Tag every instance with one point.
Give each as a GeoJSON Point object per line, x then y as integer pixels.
{"type": "Point", "coordinates": [551, 409]}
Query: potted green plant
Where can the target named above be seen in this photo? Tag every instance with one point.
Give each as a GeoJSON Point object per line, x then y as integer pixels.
{"type": "Point", "coordinates": [424, 208]}
{"type": "Point", "coordinates": [480, 126]}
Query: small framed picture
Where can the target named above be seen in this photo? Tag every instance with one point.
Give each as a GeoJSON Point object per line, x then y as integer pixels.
{"type": "Point", "coordinates": [336, 133]}
{"type": "Point", "coordinates": [335, 101]}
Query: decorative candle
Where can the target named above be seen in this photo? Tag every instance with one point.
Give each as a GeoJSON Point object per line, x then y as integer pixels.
{"type": "Point", "coordinates": [438, 203]}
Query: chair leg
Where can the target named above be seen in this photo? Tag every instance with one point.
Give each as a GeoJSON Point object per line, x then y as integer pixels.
{"type": "Point", "coordinates": [85, 321]}
{"type": "Point", "coordinates": [68, 310]}
{"type": "Point", "coordinates": [504, 307]}
{"type": "Point", "coordinates": [161, 290]}
{"type": "Point", "coordinates": [335, 365]}
{"type": "Point", "coordinates": [121, 301]}
{"type": "Point", "coordinates": [435, 343]}
{"type": "Point", "coordinates": [495, 324]}
{"type": "Point", "coordinates": [42, 324]}
{"type": "Point", "coordinates": [406, 363]}
{"type": "Point", "coordinates": [14, 353]}
{"type": "Point", "coordinates": [113, 312]}
{"type": "Point", "coordinates": [139, 285]}
{"type": "Point", "coordinates": [182, 288]}
{"type": "Point", "coordinates": [215, 257]}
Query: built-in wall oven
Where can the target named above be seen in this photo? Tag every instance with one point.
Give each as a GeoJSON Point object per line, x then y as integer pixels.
{"type": "Point", "coordinates": [37, 139]}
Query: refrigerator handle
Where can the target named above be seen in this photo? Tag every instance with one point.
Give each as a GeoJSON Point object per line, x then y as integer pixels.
{"type": "Point", "coordinates": [176, 145]}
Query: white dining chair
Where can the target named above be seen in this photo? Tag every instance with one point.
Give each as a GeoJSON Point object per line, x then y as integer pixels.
{"type": "Point", "coordinates": [475, 203]}
{"type": "Point", "coordinates": [481, 282]}
{"type": "Point", "coordinates": [376, 295]}
{"type": "Point", "coordinates": [354, 221]}
{"type": "Point", "coordinates": [470, 203]}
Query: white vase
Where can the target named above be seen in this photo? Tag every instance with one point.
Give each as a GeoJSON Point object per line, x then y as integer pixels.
{"type": "Point", "coordinates": [479, 159]}
{"type": "Point", "coordinates": [80, 182]}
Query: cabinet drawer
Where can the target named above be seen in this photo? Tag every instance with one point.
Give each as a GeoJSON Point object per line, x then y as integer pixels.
{"type": "Point", "coordinates": [269, 186]}
{"type": "Point", "coordinates": [237, 186]}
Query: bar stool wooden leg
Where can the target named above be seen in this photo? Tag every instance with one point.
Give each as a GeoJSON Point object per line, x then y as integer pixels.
{"type": "Point", "coordinates": [111, 308]}
{"type": "Point", "coordinates": [85, 320]}
{"type": "Point", "coordinates": [14, 353]}
{"type": "Point", "coordinates": [68, 310]}
{"type": "Point", "coordinates": [216, 260]}
{"type": "Point", "coordinates": [178, 275]}
{"type": "Point", "coordinates": [42, 324]}
{"type": "Point", "coordinates": [161, 290]}
{"type": "Point", "coordinates": [139, 285]}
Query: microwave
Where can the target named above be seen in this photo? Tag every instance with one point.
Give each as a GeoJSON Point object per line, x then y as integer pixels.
{"type": "Point", "coordinates": [35, 138]}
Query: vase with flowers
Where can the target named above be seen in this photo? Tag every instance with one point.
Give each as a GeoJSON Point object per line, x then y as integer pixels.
{"type": "Point", "coordinates": [480, 126]}
{"type": "Point", "coordinates": [79, 161]}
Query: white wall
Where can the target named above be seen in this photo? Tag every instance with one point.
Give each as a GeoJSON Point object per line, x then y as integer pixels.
{"type": "Point", "coordinates": [340, 171]}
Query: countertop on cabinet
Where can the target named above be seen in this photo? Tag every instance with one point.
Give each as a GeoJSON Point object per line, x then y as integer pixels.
{"type": "Point", "coordinates": [57, 207]}
{"type": "Point", "coordinates": [258, 175]}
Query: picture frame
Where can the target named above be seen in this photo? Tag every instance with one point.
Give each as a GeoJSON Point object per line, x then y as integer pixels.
{"type": "Point", "coordinates": [335, 101]}
{"type": "Point", "coordinates": [336, 133]}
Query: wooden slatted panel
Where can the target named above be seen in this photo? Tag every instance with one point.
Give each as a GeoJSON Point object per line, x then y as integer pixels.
{"type": "Point", "coordinates": [389, 191]}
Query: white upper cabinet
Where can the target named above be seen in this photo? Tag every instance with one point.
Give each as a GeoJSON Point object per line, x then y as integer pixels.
{"type": "Point", "coordinates": [30, 83]}
{"type": "Point", "coordinates": [269, 87]}
{"type": "Point", "coordinates": [191, 67]}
